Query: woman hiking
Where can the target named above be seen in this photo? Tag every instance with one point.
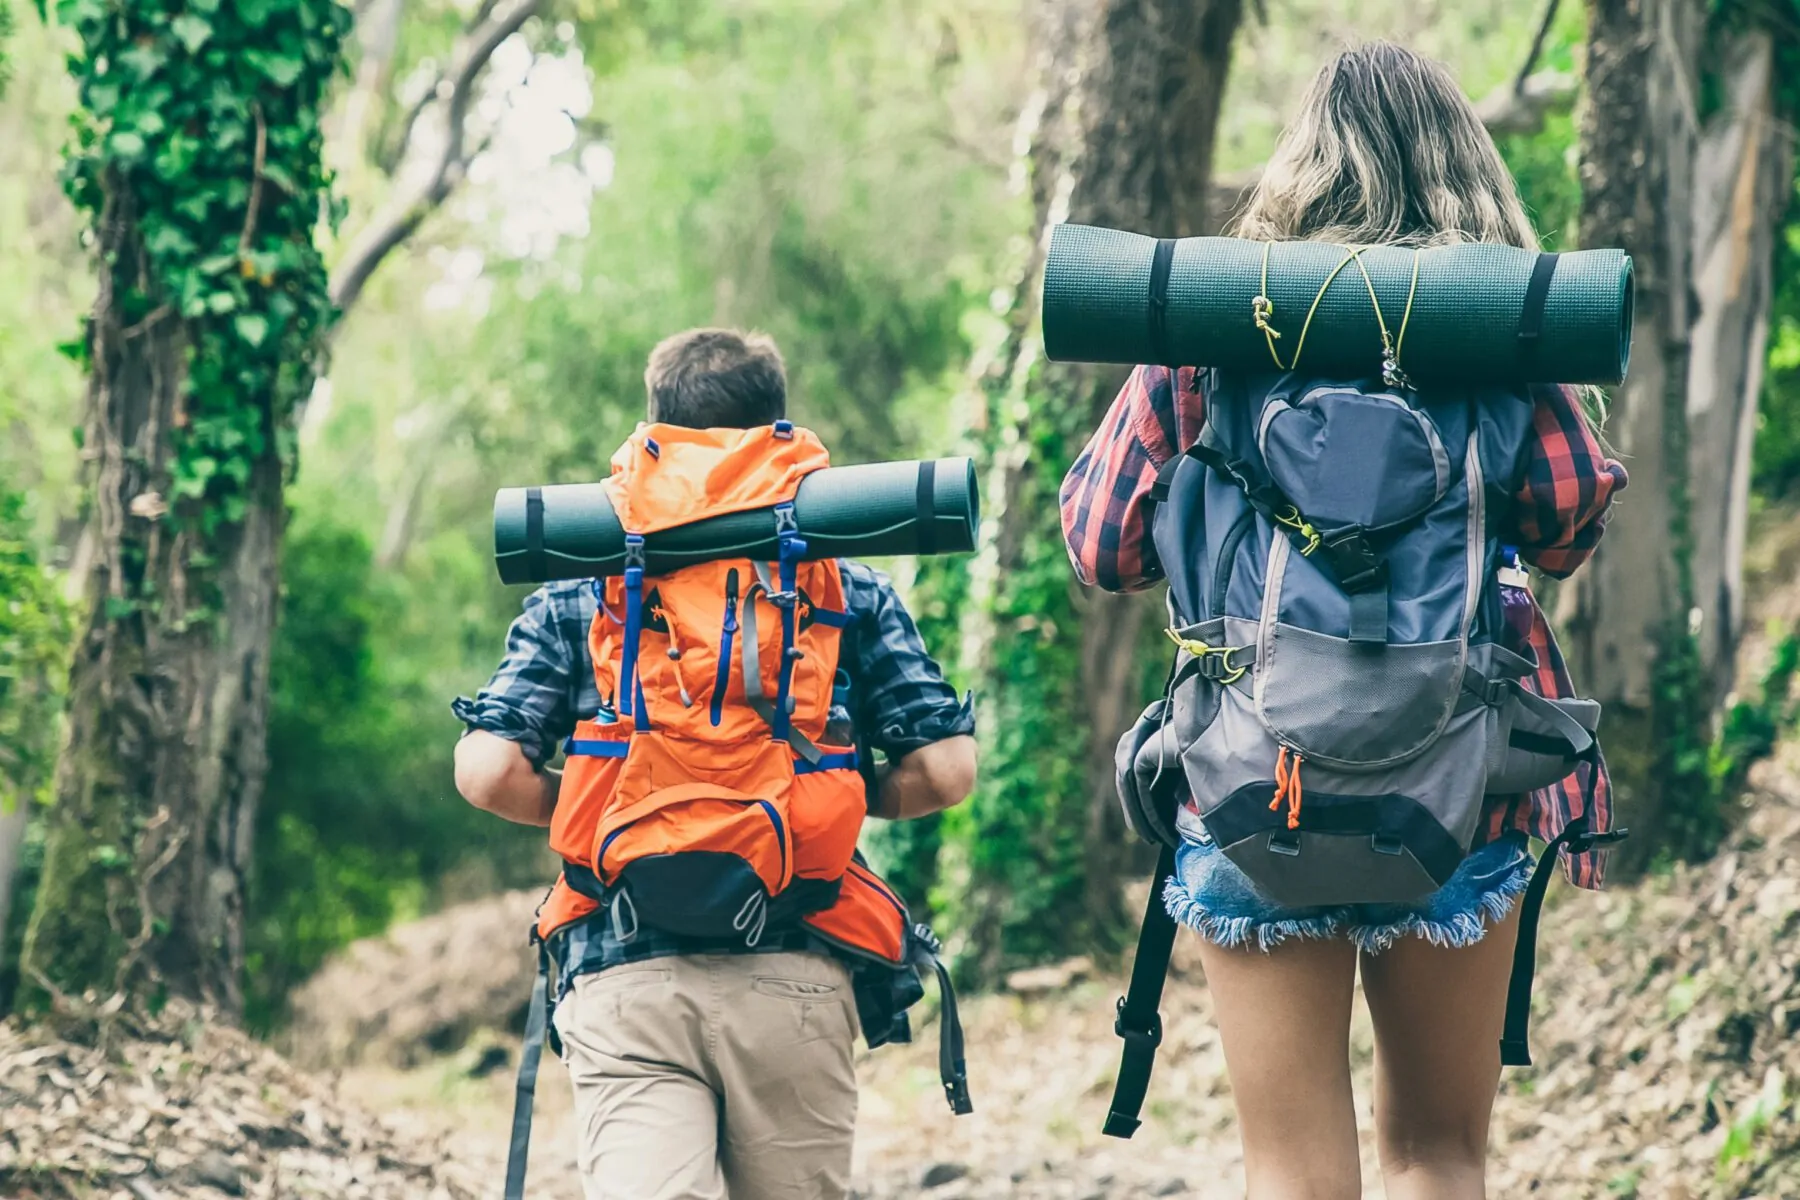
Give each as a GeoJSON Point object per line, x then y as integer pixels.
{"type": "Point", "coordinates": [1385, 151]}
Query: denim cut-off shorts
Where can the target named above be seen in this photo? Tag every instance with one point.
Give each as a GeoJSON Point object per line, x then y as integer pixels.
{"type": "Point", "coordinates": [1212, 897]}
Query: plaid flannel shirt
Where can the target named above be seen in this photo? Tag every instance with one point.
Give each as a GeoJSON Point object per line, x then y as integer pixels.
{"type": "Point", "coordinates": [545, 684]}
{"type": "Point", "coordinates": [1558, 515]}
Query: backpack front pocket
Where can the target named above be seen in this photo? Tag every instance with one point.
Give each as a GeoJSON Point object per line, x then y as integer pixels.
{"type": "Point", "coordinates": [1349, 458]}
{"type": "Point", "coordinates": [698, 859]}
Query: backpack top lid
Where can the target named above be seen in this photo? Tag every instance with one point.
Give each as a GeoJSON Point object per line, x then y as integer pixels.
{"type": "Point", "coordinates": [669, 475]}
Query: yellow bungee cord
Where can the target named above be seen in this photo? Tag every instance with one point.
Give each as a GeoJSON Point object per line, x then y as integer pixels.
{"type": "Point", "coordinates": [1262, 311]}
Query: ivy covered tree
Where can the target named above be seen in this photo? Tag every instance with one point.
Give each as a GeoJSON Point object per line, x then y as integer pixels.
{"type": "Point", "coordinates": [1120, 130]}
{"type": "Point", "coordinates": [196, 157]}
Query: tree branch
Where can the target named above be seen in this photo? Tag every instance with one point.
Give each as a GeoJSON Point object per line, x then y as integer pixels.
{"type": "Point", "coordinates": [1537, 47]}
{"type": "Point", "coordinates": [1509, 109]}
{"type": "Point", "coordinates": [456, 90]}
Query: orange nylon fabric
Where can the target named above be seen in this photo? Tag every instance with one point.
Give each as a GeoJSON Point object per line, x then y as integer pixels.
{"type": "Point", "coordinates": [867, 917]}
{"type": "Point", "coordinates": [700, 473]}
{"type": "Point", "coordinates": [563, 906]}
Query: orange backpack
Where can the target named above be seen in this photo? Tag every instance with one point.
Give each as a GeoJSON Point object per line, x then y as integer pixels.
{"type": "Point", "coordinates": [714, 805]}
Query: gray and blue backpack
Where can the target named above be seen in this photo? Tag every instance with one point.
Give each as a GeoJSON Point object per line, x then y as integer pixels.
{"type": "Point", "coordinates": [1344, 694]}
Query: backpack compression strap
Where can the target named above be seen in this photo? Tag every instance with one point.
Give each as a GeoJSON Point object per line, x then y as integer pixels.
{"type": "Point", "coordinates": [1138, 1021]}
{"type": "Point", "coordinates": [537, 1028]}
{"type": "Point", "coordinates": [1515, 1049]}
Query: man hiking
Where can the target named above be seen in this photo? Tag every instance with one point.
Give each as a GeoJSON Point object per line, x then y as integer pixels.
{"type": "Point", "coordinates": [718, 942]}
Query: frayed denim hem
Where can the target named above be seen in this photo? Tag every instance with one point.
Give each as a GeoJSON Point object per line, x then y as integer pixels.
{"type": "Point", "coordinates": [1233, 933]}
{"type": "Point", "coordinates": [1210, 896]}
{"type": "Point", "coordinates": [1456, 931]}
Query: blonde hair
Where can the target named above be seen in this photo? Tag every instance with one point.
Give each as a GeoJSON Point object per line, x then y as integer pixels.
{"type": "Point", "coordinates": [1386, 150]}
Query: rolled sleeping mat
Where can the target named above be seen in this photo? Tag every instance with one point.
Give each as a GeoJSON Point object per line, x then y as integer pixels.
{"type": "Point", "coordinates": [1475, 313]}
{"type": "Point", "coordinates": [928, 507]}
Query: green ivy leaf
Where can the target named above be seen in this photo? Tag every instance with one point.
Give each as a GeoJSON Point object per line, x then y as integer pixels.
{"type": "Point", "coordinates": [193, 31]}
{"type": "Point", "coordinates": [126, 145]}
{"type": "Point", "coordinates": [252, 327]}
{"type": "Point", "coordinates": [220, 303]}
{"type": "Point", "coordinates": [144, 59]}
{"type": "Point", "coordinates": [280, 69]}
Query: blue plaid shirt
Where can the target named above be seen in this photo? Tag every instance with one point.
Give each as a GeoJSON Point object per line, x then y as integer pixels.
{"type": "Point", "coordinates": [545, 684]}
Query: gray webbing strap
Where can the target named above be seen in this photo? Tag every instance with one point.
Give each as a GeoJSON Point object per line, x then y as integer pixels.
{"type": "Point", "coordinates": [751, 657]}
{"type": "Point", "coordinates": [1369, 617]}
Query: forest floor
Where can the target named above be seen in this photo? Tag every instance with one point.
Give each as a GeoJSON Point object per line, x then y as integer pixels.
{"type": "Point", "coordinates": [1666, 1031]}
{"type": "Point", "coordinates": [1667, 1036]}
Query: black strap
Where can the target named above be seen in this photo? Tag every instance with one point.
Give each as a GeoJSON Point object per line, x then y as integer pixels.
{"type": "Point", "coordinates": [1531, 317]}
{"type": "Point", "coordinates": [927, 502]}
{"type": "Point", "coordinates": [1138, 1022]}
{"type": "Point", "coordinates": [1515, 1049]}
{"type": "Point", "coordinates": [952, 1069]}
{"type": "Point", "coordinates": [537, 1023]}
{"type": "Point", "coordinates": [1158, 310]}
{"type": "Point", "coordinates": [534, 534]}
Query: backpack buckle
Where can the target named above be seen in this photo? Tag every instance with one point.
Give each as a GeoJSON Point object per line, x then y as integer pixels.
{"type": "Point", "coordinates": [1388, 844]}
{"type": "Point", "coordinates": [1150, 1035]}
{"type": "Point", "coordinates": [1354, 561]}
{"type": "Point", "coordinates": [1286, 843]}
{"type": "Point", "coordinates": [634, 552]}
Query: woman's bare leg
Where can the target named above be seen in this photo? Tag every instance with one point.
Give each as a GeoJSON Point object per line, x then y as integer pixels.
{"type": "Point", "coordinates": [1438, 1014]}
{"type": "Point", "coordinates": [1284, 1019]}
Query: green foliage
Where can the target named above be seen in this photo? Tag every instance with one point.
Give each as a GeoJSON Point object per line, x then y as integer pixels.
{"type": "Point", "coordinates": [1543, 165]}
{"type": "Point", "coordinates": [35, 628]}
{"type": "Point", "coordinates": [34, 655]}
{"type": "Point", "coordinates": [1752, 727]}
{"type": "Point", "coordinates": [1749, 1125]}
{"type": "Point", "coordinates": [1017, 852]}
{"type": "Point", "coordinates": [201, 127]}
{"type": "Point", "coordinates": [1777, 450]}
{"type": "Point", "coordinates": [358, 820]}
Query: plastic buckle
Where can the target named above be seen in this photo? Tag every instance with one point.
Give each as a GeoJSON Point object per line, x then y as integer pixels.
{"type": "Point", "coordinates": [786, 523]}
{"type": "Point", "coordinates": [1595, 841]}
{"type": "Point", "coordinates": [634, 552]}
{"type": "Point", "coordinates": [1285, 843]}
{"type": "Point", "coordinates": [925, 937]}
{"type": "Point", "coordinates": [1496, 691]}
{"type": "Point", "coordinates": [784, 429]}
{"type": "Point", "coordinates": [1385, 844]}
{"type": "Point", "coordinates": [1150, 1036]}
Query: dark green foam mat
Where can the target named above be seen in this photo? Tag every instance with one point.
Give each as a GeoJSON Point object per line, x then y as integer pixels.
{"type": "Point", "coordinates": [843, 512]}
{"type": "Point", "coordinates": [1464, 325]}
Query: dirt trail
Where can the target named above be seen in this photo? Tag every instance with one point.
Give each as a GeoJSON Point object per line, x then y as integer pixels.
{"type": "Point", "coordinates": [1666, 1026]}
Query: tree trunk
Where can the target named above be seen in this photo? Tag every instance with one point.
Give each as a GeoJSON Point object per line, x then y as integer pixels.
{"type": "Point", "coordinates": [158, 784]}
{"type": "Point", "coordinates": [1696, 199]}
{"type": "Point", "coordinates": [1121, 132]}
{"type": "Point", "coordinates": [207, 328]}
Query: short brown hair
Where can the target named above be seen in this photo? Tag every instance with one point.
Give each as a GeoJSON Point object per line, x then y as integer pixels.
{"type": "Point", "coordinates": [716, 378]}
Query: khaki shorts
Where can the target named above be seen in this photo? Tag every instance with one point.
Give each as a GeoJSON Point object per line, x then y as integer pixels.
{"type": "Point", "coordinates": [712, 1076]}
